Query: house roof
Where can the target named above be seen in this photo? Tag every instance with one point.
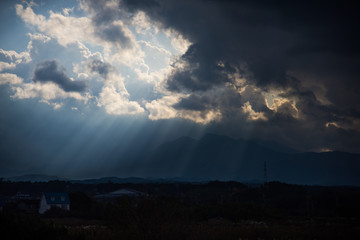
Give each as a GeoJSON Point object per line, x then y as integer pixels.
{"type": "Point", "coordinates": [57, 198]}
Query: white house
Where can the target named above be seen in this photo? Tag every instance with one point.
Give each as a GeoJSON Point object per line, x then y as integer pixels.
{"type": "Point", "coordinates": [54, 199]}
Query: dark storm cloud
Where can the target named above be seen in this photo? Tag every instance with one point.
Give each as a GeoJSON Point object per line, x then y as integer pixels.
{"type": "Point", "coordinates": [100, 67]}
{"type": "Point", "coordinates": [307, 50]}
{"type": "Point", "coordinates": [196, 102]}
{"type": "Point", "coordinates": [103, 20]}
{"type": "Point", "coordinates": [103, 14]}
{"type": "Point", "coordinates": [114, 34]}
{"type": "Point", "coordinates": [272, 38]}
{"type": "Point", "coordinates": [285, 45]}
{"type": "Point", "coordinates": [140, 4]}
{"type": "Point", "coordinates": [201, 73]}
{"type": "Point", "coordinates": [52, 71]}
{"type": "Point", "coordinates": [267, 35]}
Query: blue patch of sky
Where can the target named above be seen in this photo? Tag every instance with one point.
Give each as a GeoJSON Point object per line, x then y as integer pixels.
{"type": "Point", "coordinates": [12, 29]}
{"type": "Point", "coordinates": [68, 143]}
{"type": "Point", "coordinates": [44, 7]}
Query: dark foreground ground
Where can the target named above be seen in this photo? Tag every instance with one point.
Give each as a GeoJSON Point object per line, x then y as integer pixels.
{"type": "Point", "coordinates": [215, 210]}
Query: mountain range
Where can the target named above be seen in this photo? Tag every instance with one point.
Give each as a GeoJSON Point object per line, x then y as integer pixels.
{"type": "Point", "coordinates": [215, 157]}
{"type": "Point", "coordinates": [224, 158]}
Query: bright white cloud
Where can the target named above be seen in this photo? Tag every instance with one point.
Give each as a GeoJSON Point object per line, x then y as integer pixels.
{"type": "Point", "coordinates": [46, 91]}
{"type": "Point", "coordinates": [178, 42]}
{"type": "Point", "coordinates": [65, 29]}
{"type": "Point", "coordinates": [117, 103]}
{"type": "Point", "coordinates": [5, 65]}
{"type": "Point", "coordinates": [115, 98]}
{"type": "Point", "coordinates": [10, 59]}
{"type": "Point", "coordinates": [67, 11]}
{"type": "Point", "coordinates": [28, 15]}
{"type": "Point", "coordinates": [55, 105]}
{"type": "Point", "coordinates": [15, 57]}
{"type": "Point", "coordinates": [142, 23]}
{"type": "Point", "coordinates": [162, 108]}
{"type": "Point", "coordinates": [10, 78]}
{"type": "Point", "coordinates": [139, 49]}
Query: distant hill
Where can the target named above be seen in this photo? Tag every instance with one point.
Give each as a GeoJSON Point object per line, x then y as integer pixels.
{"type": "Point", "coordinates": [134, 180]}
{"type": "Point", "coordinates": [112, 180]}
{"type": "Point", "coordinates": [34, 178]}
{"type": "Point", "coordinates": [224, 158]}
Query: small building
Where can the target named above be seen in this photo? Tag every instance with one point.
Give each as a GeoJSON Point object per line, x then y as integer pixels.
{"type": "Point", "coordinates": [54, 199]}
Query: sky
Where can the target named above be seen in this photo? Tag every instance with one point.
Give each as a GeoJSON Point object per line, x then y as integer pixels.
{"type": "Point", "coordinates": [85, 84]}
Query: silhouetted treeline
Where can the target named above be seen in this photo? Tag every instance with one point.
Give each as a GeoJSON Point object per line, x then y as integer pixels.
{"type": "Point", "coordinates": [214, 210]}
{"type": "Point", "coordinates": [289, 199]}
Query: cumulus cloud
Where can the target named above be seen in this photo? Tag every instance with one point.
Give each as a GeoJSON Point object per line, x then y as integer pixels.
{"type": "Point", "coordinates": [10, 59]}
{"type": "Point", "coordinates": [202, 117]}
{"type": "Point", "coordinates": [241, 51]}
{"type": "Point", "coordinates": [14, 56]}
{"type": "Point", "coordinates": [164, 108]}
{"type": "Point", "coordinates": [234, 55]}
{"type": "Point", "coordinates": [45, 91]}
{"type": "Point", "coordinates": [270, 38]}
{"type": "Point", "coordinates": [52, 71]}
{"type": "Point", "coordinates": [117, 102]}
{"type": "Point", "coordinates": [5, 65]}
{"type": "Point", "coordinates": [100, 67]}
{"type": "Point", "coordinates": [10, 78]}
{"type": "Point", "coordinates": [252, 115]}
{"type": "Point", "coordinates": [113, 36]}
{"type": "Point", "coordinates": [106, 26]}
{"type": "Point", "coordinates": [65, 29]}
{"type": "Point", "coordinates": [55, 105]}
{"type": "Point", "coordinates": [141, 22]}
{"type": "Point", "coordinates": [113, 96]}
{"type": "Point", "coordinates": [116, 34]}
{"type": "Point", "coordinates": [49, 83]}
{"type": "Point", "coordinates": [285, 107]}
{"type": "Point", "coordinates": [110, 26]}
{"type": "Point", "coordinates": [196, 102]}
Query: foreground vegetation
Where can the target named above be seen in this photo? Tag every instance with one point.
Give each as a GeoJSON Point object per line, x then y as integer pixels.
{"type": "Point", "coordinates": [214, 210]}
